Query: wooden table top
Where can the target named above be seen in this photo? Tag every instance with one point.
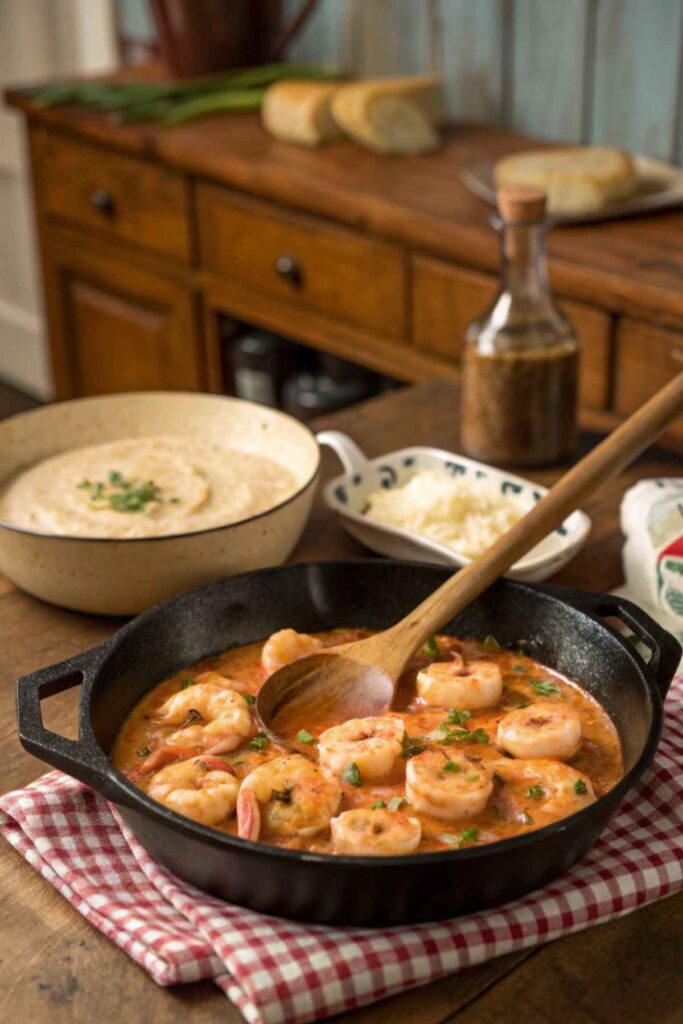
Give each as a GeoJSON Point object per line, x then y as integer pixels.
{"type": "Point", "coordinates": [632, 266]}
{"type": "Point", "coordinates": [55, 967]}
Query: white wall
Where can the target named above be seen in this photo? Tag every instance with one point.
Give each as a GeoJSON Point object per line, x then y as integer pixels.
{"type": "Point", "coordinates": [38, 39]}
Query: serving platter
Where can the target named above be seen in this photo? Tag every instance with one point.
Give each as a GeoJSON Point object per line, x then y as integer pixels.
{"type": "Point", "coordinates": [660, 187]}
{"type": "Point", "coordinates": [347, 495]}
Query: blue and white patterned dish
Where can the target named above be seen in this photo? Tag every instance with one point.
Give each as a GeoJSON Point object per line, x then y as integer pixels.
{"type": "Point", "coordinates": [347, 495]}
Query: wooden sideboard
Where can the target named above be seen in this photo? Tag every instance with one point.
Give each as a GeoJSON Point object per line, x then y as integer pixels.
{"type": "Point", "coordinates": [148, 236]}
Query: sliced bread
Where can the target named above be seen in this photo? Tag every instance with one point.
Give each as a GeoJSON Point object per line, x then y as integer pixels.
{"type": "Point", "coordinates": [578, 179]}
{"type": "Point", "coordinates": [391, 115]}
{"type": "Point", "coordinates": [300, 112]}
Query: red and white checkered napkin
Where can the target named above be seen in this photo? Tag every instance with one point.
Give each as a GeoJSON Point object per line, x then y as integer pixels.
{"type": "Point", "coordinates": [276, 971]}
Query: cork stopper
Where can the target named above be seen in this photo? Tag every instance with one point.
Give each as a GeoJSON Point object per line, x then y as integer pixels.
{"type": "Point", "coordinates": [519, 203]}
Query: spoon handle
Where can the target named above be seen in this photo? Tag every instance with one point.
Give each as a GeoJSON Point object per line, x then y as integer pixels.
{"type": "Point", "coordinates": [601, 464]}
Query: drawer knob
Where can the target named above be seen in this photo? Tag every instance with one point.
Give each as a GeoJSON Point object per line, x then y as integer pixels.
{"type": "Point", "coordinates": [103, 202]}
{"type": "Point", "coordinates": [290, 269]}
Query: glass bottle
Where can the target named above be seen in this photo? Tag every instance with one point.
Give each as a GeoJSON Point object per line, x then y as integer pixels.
{"type": "Point", "coordinates": [519, 385]}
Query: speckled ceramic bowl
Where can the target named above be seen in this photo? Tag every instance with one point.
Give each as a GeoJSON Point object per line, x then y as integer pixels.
{"type": "Point", "coordinates": [123, 577]}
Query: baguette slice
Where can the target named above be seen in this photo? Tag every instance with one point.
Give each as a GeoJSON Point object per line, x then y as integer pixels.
{"type": "Point", "coordinates": [579, 179]}
{"type": "Point", "coordinates": [299, 112]}
{"type": "Point", "coordinates": [391, 115]}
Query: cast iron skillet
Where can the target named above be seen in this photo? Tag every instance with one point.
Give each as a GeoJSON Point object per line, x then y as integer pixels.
{"type": "Point", "coordinates": [562, 628]}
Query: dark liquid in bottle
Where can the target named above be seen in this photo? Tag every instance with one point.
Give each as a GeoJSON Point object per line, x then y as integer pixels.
{"type": "Point", "coordinates": [520, 404]}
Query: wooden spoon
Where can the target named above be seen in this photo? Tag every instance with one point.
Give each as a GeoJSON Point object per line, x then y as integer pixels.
{"type": "Point", "coordinates": [359, 679]}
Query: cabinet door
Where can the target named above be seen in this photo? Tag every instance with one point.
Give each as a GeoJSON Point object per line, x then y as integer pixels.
{"type": "Point", "coordinates": [647, 358]}
{"type": "Point", "coordinates": [115, 325]}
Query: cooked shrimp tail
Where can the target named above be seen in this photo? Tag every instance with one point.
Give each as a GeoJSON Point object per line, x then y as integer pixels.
{"type": "Point", "coordinates": [248, 815]}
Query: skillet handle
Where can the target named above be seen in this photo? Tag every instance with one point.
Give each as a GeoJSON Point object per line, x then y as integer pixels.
{"type": "Point", "coordinates": [82, 758]}
{"type": "Point", "coordinates": [664, 648]}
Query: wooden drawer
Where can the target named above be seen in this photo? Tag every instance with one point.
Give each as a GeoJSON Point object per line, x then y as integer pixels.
{"type": "Point", "coordinates": [125, 197]}
{"type": "Point", "coordinates": [447, 298]}
{"type": "Point", "coordinates": [309, 262]}
{"type": "Point", "coordinates": [647, 358]}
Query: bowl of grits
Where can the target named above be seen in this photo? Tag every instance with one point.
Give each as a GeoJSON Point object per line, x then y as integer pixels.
{"type": "Point", "coordinates": [114, 503]}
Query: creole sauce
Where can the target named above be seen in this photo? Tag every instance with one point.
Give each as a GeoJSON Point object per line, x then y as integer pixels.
{"type": "Point", "coordinates": [511, 809]}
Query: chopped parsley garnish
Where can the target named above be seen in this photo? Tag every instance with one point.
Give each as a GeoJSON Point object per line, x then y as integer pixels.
{"type": "Point", "coordinates": [351, 774]}
{"type": "Point", "coordinates": [451, 766]}
{"type": "Point", "coordinates": [464, 736]}
{"type": "Point", "coordinates": [545, 687]}
{"type": "Point", "coordinates": [468, 835]}
{"type": "Point", "coordinates": [304, 736]}
{"type": "Point", "coordinates": [396, 803]}
{"type": "Point", "coordinates": [431, 648]}
{"type": "Point", "coordinates": [412, 745]}
{"type": "Point", "coordinates": [259, 741]}
{"type": "Point", "coordinates": [377, 805]}
{"type": "Point", "coordinates": [144, 752]}
{"type": "Point", "coordinates": [187, 682]}
{"type": "Point", "coordinates": [536, 792]}
{"type": "Point", "coordinates": [456, 717]}
{"type": "Point", "coordinates": [524, 704]}
{"type": "Point", "coordinates": [580, 787]}
{"type": "Point", "coordinates": [520, 668]}
{"type": "Point", "coordinates": [472, 778]}
{"type": "Point", "coordinates": [125, 495]}
{"type": "Point", "coordinates": [249, 698]}
{"type": "Point", "coordinates": [492, 644]}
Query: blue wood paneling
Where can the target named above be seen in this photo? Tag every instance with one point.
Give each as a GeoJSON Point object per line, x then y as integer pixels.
{"type": "Point", "coordinates": [390, 37]}
{"type": "Point", "coordinates": [472, 47]}
{"type": "Point", "coordinates": [548, 51]}
{"type": "Point", "coordinates": [321, 37]}
{"type": "Point", "coordinates": [637, 51]}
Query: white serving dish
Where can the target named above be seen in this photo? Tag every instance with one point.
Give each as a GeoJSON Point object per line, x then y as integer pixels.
{"type": "Point", "coordinates": [347, 496]}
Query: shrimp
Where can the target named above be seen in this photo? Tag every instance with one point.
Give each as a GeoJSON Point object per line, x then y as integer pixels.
{"type": "Point", "coordinates": [447, 787]}
{"type": "Point", "coordinates": [203, 788]}
{"type": "Point", "coordinates": [290, 796]}
{"type": "Point", "coordinates": [553, 787]}
{"type": "Point", "coordinates": [224, 682]}
{"type": "Point", "coordinates": [372, 744]}
{"type": "Point", "coordinates": [219, 718]}
{"type": "Point", "coordinates": [453, 684]}
{"type": "Point", "coordinates": [365, 832]}
{"type": "Point", "coordinates": [541, 730]}
{"type": "Point", "coordinates": [285, 646]}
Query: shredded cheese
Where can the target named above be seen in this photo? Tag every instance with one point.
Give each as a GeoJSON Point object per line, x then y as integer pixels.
{"type": "Point", "coordinates": [466, 514]}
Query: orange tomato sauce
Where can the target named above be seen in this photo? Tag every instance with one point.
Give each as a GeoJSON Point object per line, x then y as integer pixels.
{"type": "Point", "coordinates": [511, 810]}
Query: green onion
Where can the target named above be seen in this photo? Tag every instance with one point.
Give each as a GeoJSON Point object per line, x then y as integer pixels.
{"type": "Point", "coordinates": [377, 804]}
{"type": "Point", "coordinates": [351, 774]}
{"type": "Point", "coordinates": [249, 699]}
{"type": "Point", "coordinates": [451, 766]}
{"type": "Point", "coordinates": [520, 668]}
{"type": "Point", "coordinates": [396, 803]}
{"type": "Point", "coordinates": [580, 787]}
{"type": "Point", "coordinates": [187, 682]}
{"type": "Point", "coordinates": [458, 717]}
{"type": "Point", "coordinates": [536, 792]}
{"type": "Point", "coordinates": [412, 745]}
{"type": "Point", "coordinates": [545, 687]}
{"type": "Point", "coordinates": [259, 741]}
{"type": "Point", "coordinates": [492, 644]}
{"type": "Point", "coordinates": [471, 778]}
{"type": "Point", "coordinates": [304, 736]}
{"type": "Point", "coordinates": [469, 835]}
{"type": "Point", "coordinates": [431, 648]}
